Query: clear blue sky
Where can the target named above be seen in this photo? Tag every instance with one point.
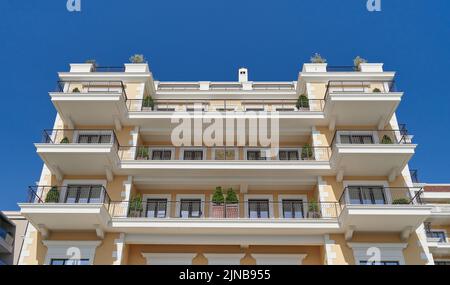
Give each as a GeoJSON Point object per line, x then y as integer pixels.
{"type": "Point", "coordinates": [209, 40]}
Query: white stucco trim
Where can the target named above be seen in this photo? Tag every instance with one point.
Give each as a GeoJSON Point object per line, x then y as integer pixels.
{"type": "Point", "coordinates": [258, 196]}
{"type": "Point", "coordinates": [224, 258]}
{"type": "Point", "coordinates": [169, 258]}
{"type": "Point", "coordinates": [66, 250]}
{"type": "Point", "coordinates": [279, 259]}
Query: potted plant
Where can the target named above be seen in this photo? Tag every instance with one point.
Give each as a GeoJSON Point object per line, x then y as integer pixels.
{"type": "Point", "coordinates": [93, 62]}
{"type": "Point", "coordinates": [64, 140]}
{"type": "Point", "coordinates": [76, 90]}
{"type": "Point", "coordinates": [317, 58]}
{"type": "Point", "coordinates": [137, 58]}
{"type": "Point", "coordinates": [302, 102]}
{"type": "Point", "coordinates": [232, 204]}
{"type": "Point", "coordinates": [142, 153]}
{"type": "Point", "coordinates": [148, 103]}
{"type": "Point", "coordinates": [52, 195]}
{"type": "Point", "coordinates": [218, 207]}
{"type": "Point", "coordinates": [307, 152]}
{"type": "Point", "coordinates": [313, 210]}
{"type": "Point", "coordinates": [357, 62]}
{"type": "Point", "coordinates": [386, 140]}
{"type": "Point", "coordinates": [135, 207]}
{"type": "Point", "coordinates": [401, 201]}
{"type": "Point", "coordinates": [376, 90]}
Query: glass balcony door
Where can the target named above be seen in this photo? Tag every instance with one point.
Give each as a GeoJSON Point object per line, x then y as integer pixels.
{"type": "Point", "coordinates": [367, 195]}
{"type": "Point", "coordinates": [258, 209]}
{"type": "Point", "coordinates": [190, 208]}
{"type": "Point", "coordinates": [156, 208]}
{"type": "Point", "coordinates": [84, 194]}
{"type": "Point", "coordinates": [292, 209]}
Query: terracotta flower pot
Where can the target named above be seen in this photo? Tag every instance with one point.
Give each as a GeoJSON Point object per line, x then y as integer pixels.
{"type": "Point", "coordinates": [232, 211]}
{"type": "Point", "coordinates": [218, 211]}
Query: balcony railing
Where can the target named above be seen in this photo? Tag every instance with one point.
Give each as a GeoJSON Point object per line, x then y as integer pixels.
{"type": "Point", "coordinates": [380, 137]}
{"type": "Point", "coordinates": [379, 195]}
{"type": "Point", "coordinates": [79, 136]}
{"type": "Point", "coordinates": [160, 153]}
{"type": "Point", "coordinates": [109, 69]}
{"type": "Point", "coordinates": [414, 175]}
{"type": "Point", "coordinates": [222, 105]}
{"type": "Point", "coordinates": [92, 87]}
{"type": "Point", "coordinates": [341, 68]}
{"type": "Point", "coordinates": [358, 87]}
{"type": "Point", "coordinates": [72, 194]}
{"type": "Point", "coordinates": [192, 209]}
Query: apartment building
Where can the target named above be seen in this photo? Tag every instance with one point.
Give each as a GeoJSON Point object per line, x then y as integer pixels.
{"type": "Point", "coordinates": [12, 229]}
{"type": "Point", "coordinates": [115, 188]}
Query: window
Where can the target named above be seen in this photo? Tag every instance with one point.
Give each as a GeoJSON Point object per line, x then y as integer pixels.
{"type": "Point", "coordinates": [83, 194]}
{"type": "Point", "coordinates": [442, 262]}
{"type": "Point", "coordinates": [255, 109]}
{"type": "Point", "coordinates": [94, 138]}
{"type": "Point", "coordinates": [357, 139]}
{"type": "Point", "coordinates": [441, 235]}
{"type": "Point", "coordinates": [288, 155]}
{"type": "Point", "coordinates": [225, 154]}
{"type": "Point", "coordinates": [365, 262]}
{"type": "Point", "coordinates": [57, 261]}
{"type": "Point", "coordinates": [285, 109]}
{"type": "Point", "coordinates": [156, 208]}
{"type": "Point", "coordinates": [255, 155]}
{"type": "Point", "coordinates": [193, 155]}
{"type": "Point", "coordinates": [159, 154]}
{"type": "Point", "coordinates": [164, 109]}
{"type": "Point", "coordinates": [358, 195]}
{"type": "Point", "coordinates": [190, 208]}
{"type": "Point", "coordinates": [292, 209]}
{"type": "Point", "coordinates": [258, 208]}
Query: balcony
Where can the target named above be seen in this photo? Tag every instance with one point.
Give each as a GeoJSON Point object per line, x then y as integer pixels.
{"type": "Point", "coordinates": [370, 103]}
{"type": "Point", "coordinates": [373, 153]}
{"type": "Point", "coordinates": [438, 242]}
{"type": "Point", "coordinates": [6, 241]}
{"type": "Point", "coordinates": [79, 151]}
{"type": "Point", "coordinates": [72, 207]}
{"type": "Point", "coordinates": [238, 162]}
{"type": "Point", "coordinates": [399, 209]}
{"type": "Point", "coordinates": [90, 102]}
{"type": "Point", "coordinates": [194, 216]}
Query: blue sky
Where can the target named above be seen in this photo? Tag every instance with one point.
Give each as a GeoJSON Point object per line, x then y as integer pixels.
{"type": "Point", "coordinates": [209, 40]}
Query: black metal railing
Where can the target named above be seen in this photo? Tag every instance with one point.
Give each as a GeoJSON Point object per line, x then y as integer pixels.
{"type": "Point", "coordinates": [341, 68]}
{"type": "Point", "coordinates": [440, 236]}
{"type": "Point", "coordinates": [223, 105]}
{"type": "Point", "coordinates": [414, 175]}
{"type": "Point", "coordinates": [380, 195]}
{"type": "Point", "coordinates": [357, 86]}
{"type": "Point", "coordinates": [72, 194]}
{"type": "Point", "coordinates": [197, 209]}
{"type": "Point", "coordinates": [79, 136]}
{"type": "Point", "coordinates": [381, 137]}
{"type": "Point", "coordinates": [221, 153]}
{"type": "Point", "coordinates": [92, 87]}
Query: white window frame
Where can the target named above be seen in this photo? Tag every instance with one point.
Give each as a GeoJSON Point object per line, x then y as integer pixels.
{"type": "Point", "coordinates": [77, 133]}
{"type": "Point", "coordinates": [236, 152]}
{"type": "Point", "coordinates": [389, 251]}
{"type": "Point", "coordinates": [288, 197]}
{"type": "Point", "coordinates": [279, 259]}
{"type": "Point", "coordinates": [224, 258]}
{"type": "Point", "coordinates": [146, 197]}
{"type": "Point", "coordinates": [62, 250]}
{"type": "Point", "coordinates": [179, 197]}
{"type": "Point", "coordinates": [298, 149]}
{"type": "Point", "coordinates": [67, 182]}
{"type": "Point", "coordinates": [183, 149]}
{"type": "Point", "coordinates": [152, 149]}
{"type": "Point", "coordinates": [374, 134]}
{"type": "Point", "coordinates": [362, 183]}
{"type": "Point", "coordinates": [169, 258]}
{"type": "Point", "coordinates": [257, 197]}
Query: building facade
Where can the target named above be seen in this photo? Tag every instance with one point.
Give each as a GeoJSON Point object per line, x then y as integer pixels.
{"type": "Point", "coordinates": [332, 188]}
{"type": "Point", "coordinates": [12, 230]}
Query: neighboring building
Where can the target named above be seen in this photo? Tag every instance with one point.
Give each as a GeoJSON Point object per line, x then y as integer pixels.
{"type": "Point", "coordinates": [115, 190]}
{"type": "Point", "coordinates": [12, 229]}
{"type": "Point", "coordinates": [438, 224]}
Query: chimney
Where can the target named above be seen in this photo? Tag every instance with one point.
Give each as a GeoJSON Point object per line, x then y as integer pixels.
{"type": "Point", "coordinates": [243, 75]}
